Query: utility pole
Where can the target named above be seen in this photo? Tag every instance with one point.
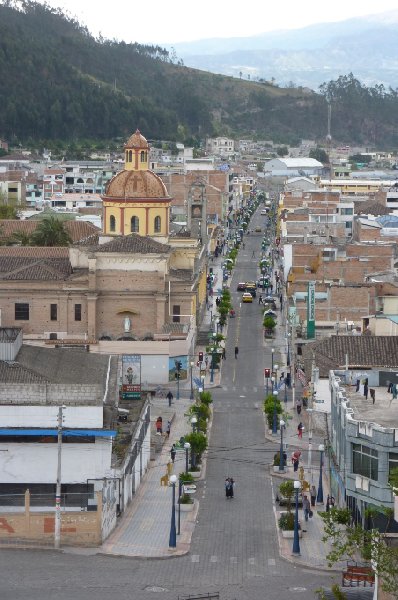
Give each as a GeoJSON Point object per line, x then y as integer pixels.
{"type": "Point", "coordinates": [57, 526]}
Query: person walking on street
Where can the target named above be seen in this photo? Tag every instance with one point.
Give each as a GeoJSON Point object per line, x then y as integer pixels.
{"type": "Point", "coordinates": [232, 485]}
{"type": "Point", "coordinates": [236, 351]}
{"type": "Point", "coordinates": [300, 429]}
{"type": "Point", "coordinates": [169, 397]}
{"type": "Point", "coordinates": [253, 254]}
{"type": "Point", "coordinates": [260, 299]}
{"type": "Point", "coordinates": [306, 507]}
{"type": "Point", "coordinates": [227, 488]}
{"type": "Point", "coordinates": [313, 495]}
{"type": "Point", "coordinates": [168, 428]}
{"type": "Point", "coordinates": [298, 406]}
{"type": "Point", "coordinates": [173, 453]}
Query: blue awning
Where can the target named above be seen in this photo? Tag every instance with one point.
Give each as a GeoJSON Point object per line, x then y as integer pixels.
{"type": "Point", "coordinates": [65, 432]}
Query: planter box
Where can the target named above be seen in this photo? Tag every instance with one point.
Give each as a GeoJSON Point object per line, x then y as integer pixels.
{"type": "Point", "coordinates": [195, 474]}
{"type": "Point", "coordinates": [290, 534]}
{"type": "Point", "coordinates": [186, 507]}
{"type": "Point", "coordinates": [276, 470]}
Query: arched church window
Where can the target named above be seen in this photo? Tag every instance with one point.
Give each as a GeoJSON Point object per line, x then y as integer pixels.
{"type": "Point", "coordinates": [134, 225]}
{"type": "Point", "coordinates": [158, 224]}
{"type": "Point", "coordinates": [112, 223]}
{"type": "Point", "coordinates": [143, 156]}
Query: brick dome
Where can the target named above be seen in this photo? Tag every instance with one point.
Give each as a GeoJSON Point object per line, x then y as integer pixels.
{"type": "Point", "coordinates": [136, 184]}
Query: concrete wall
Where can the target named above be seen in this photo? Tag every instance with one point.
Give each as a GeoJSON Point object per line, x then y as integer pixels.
{"type": "Point", "coordinates": [47, 416]}
{"type": "Point", "coordinates": [37, 462]}
{"type": "Point", "coordinates": [50, 393]}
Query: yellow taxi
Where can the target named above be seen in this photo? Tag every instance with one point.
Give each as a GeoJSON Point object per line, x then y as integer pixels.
{"type": "Point", "coordinates": [247, 297]}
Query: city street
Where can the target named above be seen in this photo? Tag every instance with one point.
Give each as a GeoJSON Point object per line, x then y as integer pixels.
{"type": "Point", "coordinates": [234, 548]}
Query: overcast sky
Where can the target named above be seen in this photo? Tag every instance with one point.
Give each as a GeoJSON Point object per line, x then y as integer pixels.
{"type": "Point", "coordinates": [162, 22]}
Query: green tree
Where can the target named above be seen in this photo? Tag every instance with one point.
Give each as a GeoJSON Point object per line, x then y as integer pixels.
{"type": "Point", "coordinates": [282, 151]}
{"type": "Point", "coordinates": [19, 238]}
{"type": "Point", "coordinates": [51, 232]}
{"type": "Point", "coordinates": [271, 403]}
{"type": "Point", "coordinates": [349, 541]}
{"type": "Point", "coordinates": [198, 442]}
{"type": "Point", "coordinates": [319, 154]}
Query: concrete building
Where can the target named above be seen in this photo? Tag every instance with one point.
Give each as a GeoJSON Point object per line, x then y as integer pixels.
{"type": "Point", "coordinates": [302, 166]}
{"type": "Point", "coordinates": [364, 433]}
{"type": "Point", "coordinates": [220, 146]}
{"type": "Point", "coordinates": [103, 456]}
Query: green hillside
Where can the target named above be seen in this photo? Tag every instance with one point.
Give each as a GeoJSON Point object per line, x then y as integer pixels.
{"type": "Point", "coordinates": [57, 82]}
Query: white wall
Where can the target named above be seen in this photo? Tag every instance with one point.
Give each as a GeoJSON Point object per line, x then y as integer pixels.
{"type": "Point", "coordinates": [37, 463]}
{"type": "Point", "coordinates": [47, 416]}
{"type": "Point", "coordinates": [287, 259]}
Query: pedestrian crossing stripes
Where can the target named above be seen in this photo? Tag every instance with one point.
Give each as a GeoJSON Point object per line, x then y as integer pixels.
{"type": "Point", "coordinates": [233, 388]}
{"type": "Point", "coordinates": [252, 561]}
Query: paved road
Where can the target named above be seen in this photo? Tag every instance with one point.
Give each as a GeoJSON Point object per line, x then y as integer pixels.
{"type": "Point", "coordinates": [234, 548]}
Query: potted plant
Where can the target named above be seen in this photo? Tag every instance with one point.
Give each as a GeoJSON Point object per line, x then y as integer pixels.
{"type": "Point", "coordinates": [286, 518]}
{"type": "Point", "coordinates": [277, 461]}
{"type": "Point", "coordinates": [269, 326]}
{"type": "Point", "coordinates": [185, 501]}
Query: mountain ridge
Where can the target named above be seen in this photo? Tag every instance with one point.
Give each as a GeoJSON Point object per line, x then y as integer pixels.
{"type": "Point", "coordinates": [317, 43]}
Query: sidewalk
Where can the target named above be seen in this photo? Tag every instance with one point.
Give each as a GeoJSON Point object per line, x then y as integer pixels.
{"type": "Point", "coordinates": [144, 529]}
{"type": "Point", "coordinates": [313, 550]}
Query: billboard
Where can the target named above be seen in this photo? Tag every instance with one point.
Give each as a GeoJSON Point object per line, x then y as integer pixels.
{"type": "Point", "coordinates": [172, 367]}
{"type": "Point", "coordinates": [131, 376]}
{"type": "Point", "coordinates": [311, 310]}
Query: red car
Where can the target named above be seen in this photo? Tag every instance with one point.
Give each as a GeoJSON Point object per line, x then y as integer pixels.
{"type": "Point", "coordinates": [241, 287]}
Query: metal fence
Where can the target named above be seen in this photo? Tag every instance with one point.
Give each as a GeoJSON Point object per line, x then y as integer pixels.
{"type": "Point", "coordinates": [70, 500]}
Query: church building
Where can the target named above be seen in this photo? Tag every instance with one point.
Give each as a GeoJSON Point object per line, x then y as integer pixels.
{"type": "Point", "coordinates": [132, 282]}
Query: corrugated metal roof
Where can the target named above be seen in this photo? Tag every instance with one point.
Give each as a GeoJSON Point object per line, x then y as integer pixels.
{"type": "Point", "coordinates": [54, 432]}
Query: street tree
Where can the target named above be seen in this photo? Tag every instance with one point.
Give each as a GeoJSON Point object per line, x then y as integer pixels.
{"type": "Point", "coordinates": [351, 541]}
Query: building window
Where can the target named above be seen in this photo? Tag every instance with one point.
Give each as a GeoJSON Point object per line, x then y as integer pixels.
{"type": "Point", "coordinates": [392, 461]}
{"type": "Point", "coordinates": [22, 311]}
{"type": "Point", "coordinates": [54, 312]}
{"type": "Point", "coordinates": [365, 461]}
{"type": "Point", "coordinates": [176, 313]}
{"type": "Point", "coordinates": [78, 312]}
{"type": "Point", "coordinates": [143, 156]}
{"type": "Point", "coordinates": [158, 224]}
{"type": "Point", "coordinates": [134, 225]}
{"type": "Point", "coordinates": [112, 223]}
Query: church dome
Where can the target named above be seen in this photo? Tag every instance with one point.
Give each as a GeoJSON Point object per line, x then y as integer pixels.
{"type": "Point", "coordinates": [136, 140]}
{"type": "Point", "coordinates": [136, 184]}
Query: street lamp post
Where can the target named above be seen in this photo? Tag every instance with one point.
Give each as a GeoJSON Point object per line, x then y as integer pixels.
{"type": "Point", "coordinates": [212, 365]}
{"type": "Point", "coordinates": [296, 539]}
{"type": "Point", "coordinates": [191, 364]}
{"type": "Point", "coordinates": [281, 458]}
{"type": "Point", "coordinates": [187, 446]}
{"type": "Point", "coordinates": [173, 537]}
{"type": "Point", "coordinates": [272, 359]}
{"type": "Point", "coordinates": [194, 420]}
{"type": "Point", "coordinates": [57, 525]}
{"type": "Point", "coordinates": [319, 497]}
{"type": "Point", "coordinates": [275, 417]}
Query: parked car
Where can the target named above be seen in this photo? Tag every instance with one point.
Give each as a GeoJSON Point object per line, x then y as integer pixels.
{"type": "Point", "coordinates": [247, 297]}
{"type": "Point", "coordinates": [241, 286]}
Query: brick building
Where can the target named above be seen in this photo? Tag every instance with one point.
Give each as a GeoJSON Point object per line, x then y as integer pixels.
{"type": "Point", "coordinates": [133, 282]}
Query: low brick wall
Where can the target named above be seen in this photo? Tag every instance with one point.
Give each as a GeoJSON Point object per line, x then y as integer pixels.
{"type": "Point", "coordinates": [78, 528]}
